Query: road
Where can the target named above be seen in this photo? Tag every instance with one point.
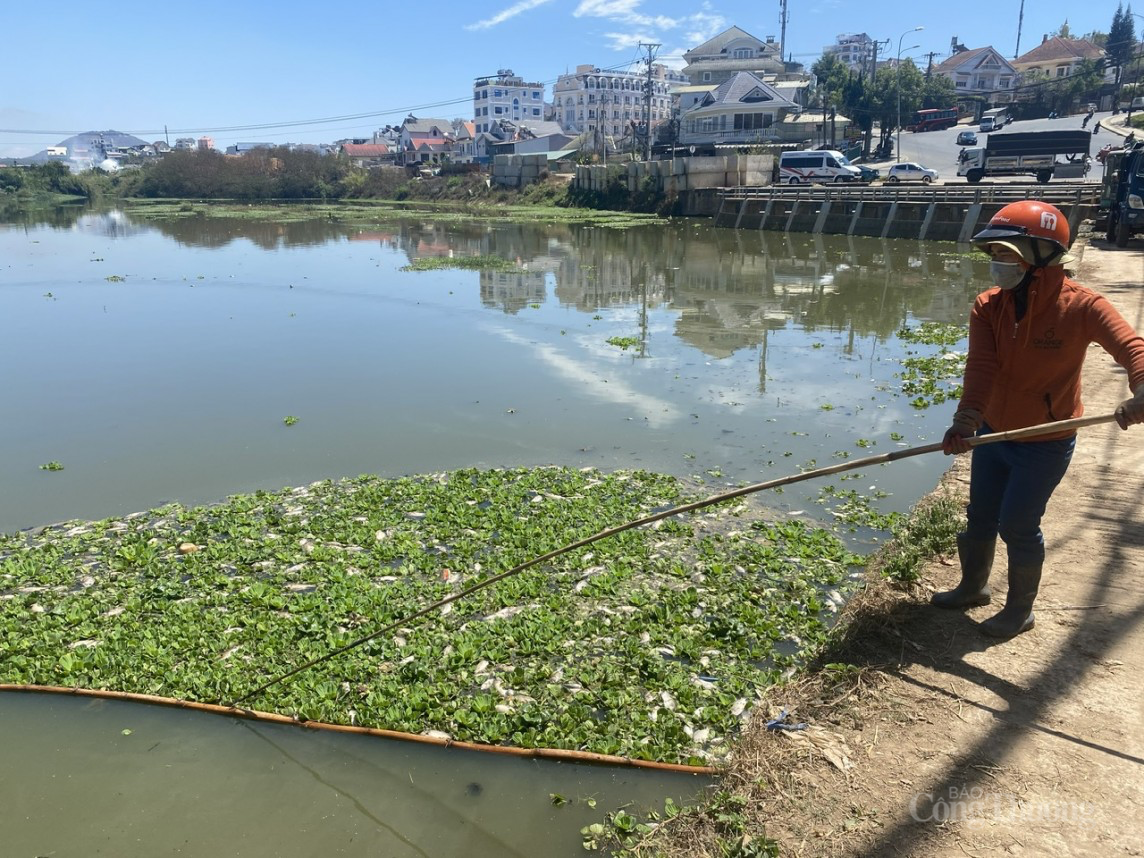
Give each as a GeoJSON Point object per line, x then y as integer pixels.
{"type": "Point", "coordinates": [938, 151]}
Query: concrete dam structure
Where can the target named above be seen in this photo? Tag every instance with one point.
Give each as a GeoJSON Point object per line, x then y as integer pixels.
{"type": "Point", "coordinates": [945, 213]}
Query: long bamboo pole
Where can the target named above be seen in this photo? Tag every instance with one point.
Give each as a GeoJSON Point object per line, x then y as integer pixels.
{"type": "Point", "coordinates": [560, 754]}
{"type": "Point", "coordinates": [977, 441]}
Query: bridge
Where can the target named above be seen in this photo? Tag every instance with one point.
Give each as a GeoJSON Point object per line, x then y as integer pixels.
{"type": "Point", "coordinates": [934, 212]}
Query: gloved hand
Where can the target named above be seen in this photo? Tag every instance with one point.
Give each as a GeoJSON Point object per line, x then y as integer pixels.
{"type": "Point", "coordinates": [1131, 410]}
{"type": "Point", "coordinates": [965, 424]}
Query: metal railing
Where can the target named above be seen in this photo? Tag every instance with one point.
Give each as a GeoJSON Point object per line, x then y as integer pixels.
{"type": "Point", "coordinates": [1068, 193]}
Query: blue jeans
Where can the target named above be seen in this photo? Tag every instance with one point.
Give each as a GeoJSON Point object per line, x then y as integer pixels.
{"type": "Point", "coordinates": [1010, 483]}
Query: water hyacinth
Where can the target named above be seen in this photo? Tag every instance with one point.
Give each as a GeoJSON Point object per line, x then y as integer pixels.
{"type": "Point", "coordinates": [649, 645]}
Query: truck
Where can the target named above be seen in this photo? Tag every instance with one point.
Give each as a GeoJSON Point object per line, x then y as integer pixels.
{"type": "Point", "coordinates": [993, 119]}
{"type": "Point", "coordinates": [1122, 193]}
{"type": "Point", "coordinates": [1028, 153]}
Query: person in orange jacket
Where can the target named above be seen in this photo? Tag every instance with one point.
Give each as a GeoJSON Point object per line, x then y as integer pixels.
{"type": "Point", "coordinates": [1028, 337]}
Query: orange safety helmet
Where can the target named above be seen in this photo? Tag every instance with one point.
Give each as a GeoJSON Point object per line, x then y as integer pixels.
{"type": "Point", "coordinates": [1038, 231]}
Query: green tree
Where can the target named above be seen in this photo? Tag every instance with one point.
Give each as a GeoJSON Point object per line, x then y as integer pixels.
{"type": "Point", "coordinates": [1121, 44]}
{"type": "Point", "coordinates": [1081, 84]}
{"type": "Point", "coordinates": [938, 92]}
{"type": "Point", "coordinates": [1063, 30]}
{"type": "Point", "coordinates": [910, 84]}
{"type": "Point", "coordinates": [832, 75]}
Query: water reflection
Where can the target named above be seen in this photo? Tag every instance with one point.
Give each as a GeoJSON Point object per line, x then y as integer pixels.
{"type": "Point", "coordinates": [738, 283]}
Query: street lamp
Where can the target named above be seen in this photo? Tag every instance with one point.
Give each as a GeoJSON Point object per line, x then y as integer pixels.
{"type": "Point", "coordinates": [898, 83]}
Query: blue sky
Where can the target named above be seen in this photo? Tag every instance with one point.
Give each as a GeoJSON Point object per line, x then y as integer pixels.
{"type": "Point", "coordinates": [205, 67]}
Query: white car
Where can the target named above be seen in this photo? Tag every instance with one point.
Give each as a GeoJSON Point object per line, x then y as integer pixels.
{"type": "Point", "coordinates": [910, 172]}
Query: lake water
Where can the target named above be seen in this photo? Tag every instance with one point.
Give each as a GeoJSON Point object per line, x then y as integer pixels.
{"type": "Point", "coordinates": [92, 777]}
{"type": "Point", "coordinates": [157, 362]}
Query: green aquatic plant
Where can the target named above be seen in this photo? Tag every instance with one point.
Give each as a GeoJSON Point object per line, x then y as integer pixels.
{"type": "Point", "coordinates": [51, 466]}
{"type": "Point", "coordinates": [932, 379]}
{"type": "Point", "coordinates": [624, 343]}
{"type": "Point", "coordinates": [290, 420]}
{"type": "Point", "coordinates": [652, 643]}
{"type": "Point", "coordinates": [471, 263]}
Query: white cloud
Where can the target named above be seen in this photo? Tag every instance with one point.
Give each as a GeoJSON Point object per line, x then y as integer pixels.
{"type": "Point", "coordinates": [503, 15]}
{"type": "Point", "coordinates": [626, 41]}
{"type": "Point", "coordinates": [703, 26]}
{"type": "Point", "coordinates": [623, 11]}
{"type": "Point", "coordinates": [698, 27]}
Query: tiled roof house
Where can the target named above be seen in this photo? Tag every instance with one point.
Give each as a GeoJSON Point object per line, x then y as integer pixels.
{"type": "Point", "coordinates": [1058, 57]}
{"type": "Point", "coordinates": [980, 72]}
{"type": "Point", "coordinates": [742, 109]}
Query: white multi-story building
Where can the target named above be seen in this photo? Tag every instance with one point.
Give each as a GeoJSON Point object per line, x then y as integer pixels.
{"type": "Point", "coordinates": [855, 50]}
{"type": "Point", "coordinates": [592, 99]}
{"type": "Point", "coordinates": [506, 96]}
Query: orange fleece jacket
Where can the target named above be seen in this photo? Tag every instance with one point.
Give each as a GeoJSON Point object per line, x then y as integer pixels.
{"type": "Point", "coordinates": [1020, 374]}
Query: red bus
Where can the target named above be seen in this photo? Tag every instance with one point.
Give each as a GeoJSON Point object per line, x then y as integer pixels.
{"type": "Point", "coordinates": [934, 119]}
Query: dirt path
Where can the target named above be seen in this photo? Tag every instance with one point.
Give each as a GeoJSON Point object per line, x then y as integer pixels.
{"type": "Point", "coordinates": [966, 746]}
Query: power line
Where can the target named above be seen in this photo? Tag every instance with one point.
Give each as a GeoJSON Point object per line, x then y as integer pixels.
{"type": "Point", "coordinates": [300, 123]}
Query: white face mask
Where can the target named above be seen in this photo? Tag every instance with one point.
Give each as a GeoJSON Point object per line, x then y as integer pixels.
{"type": "Point", "coordinates": [1007, 275]}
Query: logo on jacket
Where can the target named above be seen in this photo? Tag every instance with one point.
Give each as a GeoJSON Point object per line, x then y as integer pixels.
{"type": "Point", "coordinates": [1048, 340]}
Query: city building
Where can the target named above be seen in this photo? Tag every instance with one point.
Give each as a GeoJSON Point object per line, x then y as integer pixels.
{"type": "Point", "coordinates": [979, 72]}
{"type": "Point", "coordinates": [506, 96]}
{"type": "Point", "coordinates": [854, 50]}
{"type": "Point", "coordinates": [425, 140]}
{"type": "Point", "coordinates": [609, 103]}
{"type": "Point", "coordinates": [732, 51]}
{"type": "Point", "coordinates": [241, 148]}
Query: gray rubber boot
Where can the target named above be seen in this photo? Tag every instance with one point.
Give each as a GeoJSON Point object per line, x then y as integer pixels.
{"type": "Point", "coordinates": [976, 557]}
{"type": "Point", "coordinates": [1017, 615]}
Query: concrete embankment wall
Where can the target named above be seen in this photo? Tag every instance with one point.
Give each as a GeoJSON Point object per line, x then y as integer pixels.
{"type": "Point", "coordinates": [681, 174]}
{"type": "Point", "coordinates": [936, 220]}
{"type": "Point", "coordinates": [518, 171]}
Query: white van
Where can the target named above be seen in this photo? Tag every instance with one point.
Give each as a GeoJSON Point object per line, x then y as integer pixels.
{"type": "Point", "coordinates": [816, 165]}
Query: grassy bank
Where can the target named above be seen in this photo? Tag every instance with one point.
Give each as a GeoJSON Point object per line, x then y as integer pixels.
{"type": "Point", "coordinates": [764, 794]}
{"type": "Point", "coordinates": [375, 211]}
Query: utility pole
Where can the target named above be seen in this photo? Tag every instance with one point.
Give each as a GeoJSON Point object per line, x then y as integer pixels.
{"type": "Point", "coordinates": [1020, 21]}
{"type": "Point", "coordinates": [929, 66]}
{"type": "Point", "coordinates": [603, 130]}
{"type": "Point", "coordinates": [652, 47]}
{"type": "Point", "coordinates": [873, 74]}
{"type": "Point", "coordinates": [783, 18]}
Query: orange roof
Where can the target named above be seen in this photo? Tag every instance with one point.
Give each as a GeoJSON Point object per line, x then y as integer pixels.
{"type": "Point", "coordinates": [365, 150]}
{"type": "Point", "coordinates": [1057, 49]}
